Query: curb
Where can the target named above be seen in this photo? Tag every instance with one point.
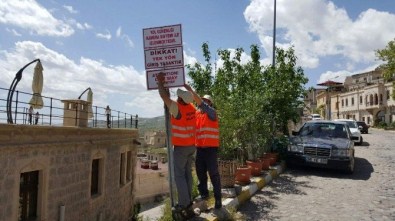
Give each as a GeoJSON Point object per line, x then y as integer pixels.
{"type": "Point", "coordinates": [257, 183]}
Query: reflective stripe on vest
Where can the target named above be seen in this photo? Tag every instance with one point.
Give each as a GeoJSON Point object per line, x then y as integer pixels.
{"type": "Point", "coordinates": [207, 131]}
{"type": "Point", "coordinates": [183, 130]}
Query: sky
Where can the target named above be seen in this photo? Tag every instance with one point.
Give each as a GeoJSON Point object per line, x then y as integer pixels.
{"type": "Point", "coordinates": [99, 44]}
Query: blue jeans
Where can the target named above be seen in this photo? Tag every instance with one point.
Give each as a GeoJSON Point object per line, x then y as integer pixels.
{"type": "Point", "coordinates": [206, 161]}
{"type": "Point", "coordinates": [183, 159]}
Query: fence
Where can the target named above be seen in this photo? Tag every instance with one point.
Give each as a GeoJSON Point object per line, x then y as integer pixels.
{"type": "Point", "coordinates": [53, 111]}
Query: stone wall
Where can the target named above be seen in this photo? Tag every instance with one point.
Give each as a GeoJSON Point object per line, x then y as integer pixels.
{"type": "Point", "coordinates": [63, 156]}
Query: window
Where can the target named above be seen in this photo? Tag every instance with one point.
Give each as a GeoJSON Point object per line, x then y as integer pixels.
{"type": "Point", "coordinates": [388, 94]}
{"type": "Point", "coordinates": [347, 102]}
{"type": "Point", "coordinates": [360, 99]}
{"type": "Point", "coordinates": [352, 101]}
{"type": "Point", "coordinates": [96, 176]}
{"type": "Point", "coordinates": [122, 169]}
{"type": "Point", "coordinates": [129, 166]}
{"type": "Point", "coordinates": [28, 196]}
{"type": "Point", "coordinates": [342, 103]}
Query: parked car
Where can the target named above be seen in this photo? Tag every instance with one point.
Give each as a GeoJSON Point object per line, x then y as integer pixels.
{"type": "Point", "coordinates": [363, 127]}
{"type": "Point", "coordinates": [321, 143]}
{"type": "Point", "coordinates": [352, 124]}
{"type": "Point", "coordinates": [315, 117]}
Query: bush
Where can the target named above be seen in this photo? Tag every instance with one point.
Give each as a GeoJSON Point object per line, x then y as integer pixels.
{"type": "Point", "coordinates": [382, 124]}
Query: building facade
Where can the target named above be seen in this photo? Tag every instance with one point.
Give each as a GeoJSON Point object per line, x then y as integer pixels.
{"type": "Point", "coordinates": [63, 173]}
{"type": "Point", "coordinates": [368, 98]}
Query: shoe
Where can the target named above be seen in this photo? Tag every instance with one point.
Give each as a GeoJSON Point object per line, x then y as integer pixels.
{"type": "Point", "coordinates": [202, 197]}
{"type": "Point", "coordinates": [218, 204]}
{"type": "Point", "coordinates": [180, 213]}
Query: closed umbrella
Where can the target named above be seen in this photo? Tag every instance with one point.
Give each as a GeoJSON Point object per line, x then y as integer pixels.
{"type": "Point", "coordinates": [37, 85]}
{"type": "Point", "coordinates": [89, 99]}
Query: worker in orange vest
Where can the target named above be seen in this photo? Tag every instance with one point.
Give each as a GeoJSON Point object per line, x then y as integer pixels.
{"type": "Point", "coordinates": [183, 128]}
{"type": "Point", "coordinates": [207, 144]}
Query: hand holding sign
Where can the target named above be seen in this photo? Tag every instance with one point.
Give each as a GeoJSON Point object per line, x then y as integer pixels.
{"type": "Point", "coordinates": [160, 77]}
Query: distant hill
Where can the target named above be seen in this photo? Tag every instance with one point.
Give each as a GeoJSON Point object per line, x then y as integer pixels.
{"type": "Point", "coordinates": [155, 123]}
{"type": "Point", "coordinates": [144, 124]}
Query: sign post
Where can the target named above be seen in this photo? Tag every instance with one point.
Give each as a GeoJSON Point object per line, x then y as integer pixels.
{"type": "Point", "coordinates": [163, 52]}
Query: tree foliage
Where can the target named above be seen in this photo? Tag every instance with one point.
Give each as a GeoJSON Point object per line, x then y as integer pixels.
{"type": "Point", "coordinates": [253, 101]}
{"type": "Point", "coordinates": [388, 56]}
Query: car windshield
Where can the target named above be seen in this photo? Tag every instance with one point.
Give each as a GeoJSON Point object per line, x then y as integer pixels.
{"type": "Point", "coordinates": [321, 130]}
{"type": "Point", "coordinates": [351, 124]}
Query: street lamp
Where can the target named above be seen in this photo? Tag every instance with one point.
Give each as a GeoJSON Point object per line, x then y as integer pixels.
{"type": "Point", "coordinates": [274, 35]}
{"type": "Point", "coordinates": [89, 100]}
{"type": "Point", "coordinates": [18, 77]}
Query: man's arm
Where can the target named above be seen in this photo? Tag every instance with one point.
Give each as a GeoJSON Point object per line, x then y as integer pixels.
{"type": "Point", "coordinates": [212, 115]}
{"type": "Point", "coordinates": [164, 94]}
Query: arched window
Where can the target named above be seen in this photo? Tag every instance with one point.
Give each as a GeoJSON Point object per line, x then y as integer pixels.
{"type": "Point", "coordinates": [376, 99]}
{"type": "Point", "coordinates": [371, 99]}
{"type": "Point", "coordinates": [352, 101]}
{"type": "Point", "coordinates": [388, 95]}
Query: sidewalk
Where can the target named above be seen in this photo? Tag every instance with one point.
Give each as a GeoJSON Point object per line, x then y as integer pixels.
{"type": "Point", "coordinates": [243, 193]}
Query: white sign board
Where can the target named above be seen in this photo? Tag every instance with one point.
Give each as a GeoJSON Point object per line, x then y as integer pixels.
{"type": "Point", "coordinates": [164, 57]}
{"type": "Point", "coordinates": [174, 78]}
{"type": "Point", "coordinates": [160, 37]}
{"type": "Point", "coordinates": [163, 52]}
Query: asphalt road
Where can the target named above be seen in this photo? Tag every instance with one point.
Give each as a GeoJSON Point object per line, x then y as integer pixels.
{"type": "Point", "coordinates": [321, 194]}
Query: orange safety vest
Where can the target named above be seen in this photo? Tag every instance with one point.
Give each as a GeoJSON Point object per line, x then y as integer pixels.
{"type": "Point", "coordinates": [207, 131]}
{"type": "Point", "coordinates": [183, 130]}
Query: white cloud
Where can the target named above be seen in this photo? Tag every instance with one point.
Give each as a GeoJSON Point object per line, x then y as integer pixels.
{"type": "Point", "coordinates": [83, 26]}
{"type": "Point", "coordinates": [318, 28]}
{"type": "Point", "coordinates": [125, 37]}
{"type": "Point", "coordinates": [119, 31]}
{"type": "Point", "coordinates": [70, 9]}
{"type": "Point", "coordinates": [65, 78]}
{"type": "Point", "coordinates": [14, 32]}
{"type": "Point", "coordinates": [106, 36]}
{"type": "Point", "coordinates": [29, 15]}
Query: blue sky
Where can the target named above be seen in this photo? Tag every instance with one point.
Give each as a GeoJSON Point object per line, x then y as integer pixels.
{"type": "Point", "coordinates": [99, 44]}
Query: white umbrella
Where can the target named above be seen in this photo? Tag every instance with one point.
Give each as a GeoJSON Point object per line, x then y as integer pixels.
{"type": "Point", "coordinates": [37, 86]}
{"type": "Point", "coordinates": [89, 99]}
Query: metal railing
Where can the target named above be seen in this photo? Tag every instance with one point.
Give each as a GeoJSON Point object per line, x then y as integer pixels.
{"type": "Point", "coordinates": [53, 111]}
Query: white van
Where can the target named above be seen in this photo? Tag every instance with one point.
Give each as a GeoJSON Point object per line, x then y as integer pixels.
{"type": "Point", "coordinates": [315, 117]}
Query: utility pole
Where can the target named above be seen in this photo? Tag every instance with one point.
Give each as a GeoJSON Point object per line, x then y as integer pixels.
{"type": "Point", "coordinates": [274, 35]}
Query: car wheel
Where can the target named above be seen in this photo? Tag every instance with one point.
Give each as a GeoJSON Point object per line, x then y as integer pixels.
{"type": "Point", "coordinates": [350, 169]}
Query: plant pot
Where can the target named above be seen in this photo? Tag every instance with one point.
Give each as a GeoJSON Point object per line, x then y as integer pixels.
{"type": "Point", "coordinates": [243, 175]}
{"type": "Point", "coordinates": [256, 167]}
{"type": "Point", "coordinates": [265, 163]}
{"type": "Point", "coordinates": [227, 171]}
{"type": "Point", "coordinates": [272, 156]}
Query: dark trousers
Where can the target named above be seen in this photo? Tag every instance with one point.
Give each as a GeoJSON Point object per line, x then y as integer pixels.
{"type": "Point", "coordinates": [206, 161]}
{"type": "Point", "coordinates": [108, 121]}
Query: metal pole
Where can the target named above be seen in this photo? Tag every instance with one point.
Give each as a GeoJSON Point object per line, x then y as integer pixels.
{"type": "Point", "coordinates": [274, 34]}
{"type": "Point", "coordinates": [16, 105]}
{"type": "Point", "coordinates": [50, 113]}
{"type": "Point", "coordinates": [169, 153]}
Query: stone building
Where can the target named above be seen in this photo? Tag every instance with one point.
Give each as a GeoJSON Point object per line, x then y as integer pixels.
{"type": "Point", "coordinates": [155, 138]}
{"type": "Point", "coordinates": [367, 97]}
{"type": "Point", "coordinates": [66, 173]}
{"type": "Point", "coordinates": [363, 97]}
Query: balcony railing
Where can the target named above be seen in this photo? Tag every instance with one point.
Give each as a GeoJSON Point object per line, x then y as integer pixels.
{"type": "Point", "coordinates": [52, 112]}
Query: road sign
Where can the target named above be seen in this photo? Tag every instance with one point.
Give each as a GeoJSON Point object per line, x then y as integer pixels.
{"type": "Point", "coordinates": [174, 77]}
{"type": "Point", "coordinates": [164, 57]}
{"type": "Point", "coordinates": [163, 52]}
{"type": "Point", "coordinates": [160, 37]}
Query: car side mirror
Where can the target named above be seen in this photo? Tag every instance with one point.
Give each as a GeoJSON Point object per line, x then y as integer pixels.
{"type": "Point", "coordinates": [295, 133]}
{"type": "Point", "coordinates": [354, 138]}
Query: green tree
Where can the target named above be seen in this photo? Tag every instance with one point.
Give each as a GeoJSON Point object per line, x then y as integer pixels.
{"type": "Point", "coordinates": [252, 101]}
{"type": "Point", "coordinates": [388, 56]}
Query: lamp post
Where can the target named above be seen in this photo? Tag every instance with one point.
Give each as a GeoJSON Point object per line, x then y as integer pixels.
{"type": "Point", "coordinates": [18, 77]}
{"type": "Point", "coordinates": [274, 34]}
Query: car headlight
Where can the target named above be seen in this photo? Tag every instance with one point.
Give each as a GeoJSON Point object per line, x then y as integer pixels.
{"type": "Point", "coordinates": [357, 134]}
{"type": "Point", "coordinates": [295, 148]}
{"type": "Point", "coordinates": [340, 152]}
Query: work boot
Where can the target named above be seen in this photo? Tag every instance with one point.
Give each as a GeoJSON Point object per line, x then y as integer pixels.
{"type": "Point", "coordinates": [218, 204]}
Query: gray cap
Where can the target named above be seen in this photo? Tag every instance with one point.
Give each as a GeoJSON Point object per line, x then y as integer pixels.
{"type": "Point", "coordinates": [186, 96]}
